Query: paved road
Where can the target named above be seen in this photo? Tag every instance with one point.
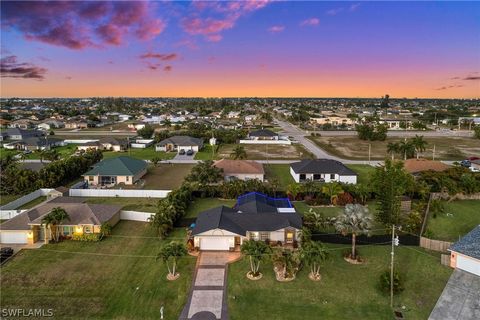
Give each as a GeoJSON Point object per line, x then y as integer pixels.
{"type": "Point", "coordinates": [403, 133]}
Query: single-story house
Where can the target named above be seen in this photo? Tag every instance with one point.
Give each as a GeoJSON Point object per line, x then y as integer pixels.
{"type": "Point", "coordinates": [50, 124]}
{"type": "Point", "coordinates": [177, 143]}
{"type": "Point", "coordinates": [27, 228]}
{"type": "Point", "coordinates": [42, 143]}
{"type": "Point", "coordinates": [113, 144]}
{"type": "Point", "coordinates": [21, 134]}
{"type": "Point", "coordinates": [22, 124]}
{"type": "Point", "coordinates": [465, 253]}
{"type": "Point", "coordinates": [416, 166]}
{"type": "Point", "coordinates": [263, 134]}
{"type": "Point", "coordinates": [76, 124]}
{"type": "Point", "coordinates": [322, 170]}
{"type": "Point", "coordinates": [241, 169]}
{"type": "Point", "coordinates": [254, 216]}
{"type": "Point", "coordinates": [116, 170]}
{"type": "Point", "coordinates": [90, 145]}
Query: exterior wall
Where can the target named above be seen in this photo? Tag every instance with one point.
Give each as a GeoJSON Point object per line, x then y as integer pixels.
{"type": "Point", "coordinates": [325, 177]}
{"type": "Point", "coordinates": [115, 219]}
{"type": "Point", "coordinates": [295, 176]}
{"type": "Point", "coordinates": [128, 180]}
{"type": "Point", "coordinates": [348, 179]}
{"type": "Point", "coordinates": [260, 141]}
{"type": "Point", "coordinates": [160, 148]}
{"type": "Point", "coordinates": [194, 148]}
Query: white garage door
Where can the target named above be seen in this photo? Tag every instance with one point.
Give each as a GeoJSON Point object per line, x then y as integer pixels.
{"type": "Point", "coordinates": [468, 265]}
{"type": "Point", "coordinates": [215, 243]}
{"type": "Point", "coordinates": [13, 237]}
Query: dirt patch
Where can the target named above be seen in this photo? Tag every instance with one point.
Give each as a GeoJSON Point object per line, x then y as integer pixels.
{"type": "Point", "coordinates": [257, 152]}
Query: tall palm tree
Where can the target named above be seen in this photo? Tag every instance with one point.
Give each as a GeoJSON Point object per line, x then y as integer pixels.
{"type": "Point", "coordinates": [332, 190]}
{"type": "Point", "coordinates": [239, 153]}
{"type": "Point", "coordinates": [294, 189]}
{"type": "Point", "coordinates": [172, 252]}
{"type": "Point", "coordinates": [392, 148]}
{"type": "Point", "coordinates": [314, 254]}
{"type": "Point", "coordinates": [406, 148]}
{"type": "Point", "coordinates": [419, 144]}
{"type": "Point", "coordinates": [255, 250]}
{"type": "Point", "coordinates": [355, 220]}
{"type": "Point", "coordinates": [53, 219]}
{"type": "Point", "coordinates": [161, 221]}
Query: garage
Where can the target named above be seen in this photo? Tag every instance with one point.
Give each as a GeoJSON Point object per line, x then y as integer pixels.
{"type": "Point", "coordinates": [468, 264]}
{"type": "Point", "coordinates": [13, 237]}
{"type": "Point", "coordinates": [215, 243]}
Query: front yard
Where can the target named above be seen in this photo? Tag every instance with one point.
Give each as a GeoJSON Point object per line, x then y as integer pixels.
{"type": "Point", "coordinates": [460, 217]}
{"type": "Point", "coordinates": [165, 176]}
{"type": "Point", "coordinates": [144, 154]}
{"type": "Point", "coordinates": [117, 278]}
{"type": "Point", "coordinates": [345, 291]}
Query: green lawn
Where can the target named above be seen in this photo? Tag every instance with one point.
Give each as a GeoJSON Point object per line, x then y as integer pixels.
{"type": "Point", "coordinates": [364, 171]}
{"type": "Point", "coordinates": [144, 154]}
{"type": "Point", "coordinates": [166, 176]}
{"type": "Point", "coordinates": [206, 153]}
{"type": "Point", "coordinates": [64, 151]}
{"type": "Point", "coordinates": [281, 172]}
{"type": "Point", "coordinates": [134, 204]}
{"type": "Point", "coordinates": [4, 199]}
{"type": "Point", "coordinates": [345, 292]}
{"type": "Point", "coordinates": [77, 285]}
{"type": "Point", "coordinates": [33, 203]}
{"type": "Point", "coordinates": [4, 152]}
{"type": "Point", "coordinates": [201, 204]}
{"type": "Point", "coordinates": [460, 217]}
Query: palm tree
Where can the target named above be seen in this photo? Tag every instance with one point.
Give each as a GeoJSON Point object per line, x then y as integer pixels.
{"type": "Point", "coordinates": [255, 250]}
{"type": "Point", "coordinates": [294, 189]}
{"type": "Point", "coordinates": [355, 220]}
{"type": "Point", "coordinates": [172, 252]}
{"type": "Point", "coordinates": [362, 191]}
{"type": "Point", "coordinates": [314, 254]}
{"type": "Point", "coordinates": [332, 189]}
{"type": "Point", "coordinates": [406, 148]}
{"type": "Point", "coordinates": [314, 220]}
{"type": "Point", "coordinates": [53, 219]}
{"type": "Point", "coordinates": [274, 184]}
{"type": "Point", "coordinates": [239, 153]}
{"type": "Point", "coordinates": [288, 259]}
{"type": "Point", "coordinates": [392, 148]}
{"type": "Point", "coordinates": [419, 144]}
{"type": "Point", "coordinates": [161, 221]}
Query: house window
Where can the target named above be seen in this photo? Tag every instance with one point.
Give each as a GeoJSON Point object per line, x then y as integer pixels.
{"type": "Point", "coordinates": [254, 236]}
{"type": "Point", "coordinates": [90, 178]}
{"type": "Point", "coordinates": [87, 229]}
{"type": "Point", "coordinates": [316, 176]}
{"type": "Point", "coordinates": [264, 236]}
{"type": "Point", "coordinates": [332, 176]}
{"type": "Point", "coordinates": [303, 177]}
{"type": "Point", "coordinates": [128, 178]}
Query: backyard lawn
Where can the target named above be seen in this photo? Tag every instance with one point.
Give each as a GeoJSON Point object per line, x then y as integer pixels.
{"type": "Point", "coordinates": [281, 172]}
{"type": "Point", "coordinates": [345, 291]}
{"type": "Point", "coordinates": [33, 203]}
{"type": "Point", "coordinates": [351, 147]}
{"type": "Point", "coordinates": [364, 171]}
{"type": "Point", "coordinates": [201, 204]}
{"type": "Point", "coordinates": [134, 204]}
{"type": "Point", "coordinates": [117, 278]}
{"type": "Point", "coordinates": [63, 151]}
{"type": "Point", "coordinates": [206, 153]}
{"type": "Point", "coordinates": [4, 199]}
{"type": "Point", "coordinates": [460, 217]}
{"type": "Point", "coordinates": [165, 176]}
{"type": "Point", "coordinates": [144, 154]}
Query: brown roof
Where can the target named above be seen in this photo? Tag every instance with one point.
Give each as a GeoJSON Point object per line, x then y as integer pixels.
{"type": "Point", "coordinates": [239, 166]}
{"type": "Point", "coordinates": [419, 165]}
{"type": "Point", "coordinates": [80, 213]}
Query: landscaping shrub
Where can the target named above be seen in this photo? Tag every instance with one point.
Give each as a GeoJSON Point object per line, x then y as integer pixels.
{"type": "Point", "coordinates": [385, 282]}
{"type": "Point", "coordinates": [87, 237]}
{"type": "Point", "coordinates": [344, 198]}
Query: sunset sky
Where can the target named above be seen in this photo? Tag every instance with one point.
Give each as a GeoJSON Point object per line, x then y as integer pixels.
{"type": "Point", "coordinates": [246, 48]}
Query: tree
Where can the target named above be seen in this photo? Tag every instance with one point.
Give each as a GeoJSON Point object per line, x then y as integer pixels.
{"type": "Point", "coordinates": [332, 190]}
{"type": "Point", "coordinates": [390, 182]}
{"type": "Point", "coordinates": [255, 250]}
{"type": "Point", "coordinates": [314, 220]}
{"type": "Point", "coordinates": [155, 160]}
{"type": "Point", "coordinates": [406, 148]}
{"type": "Point", "coordinates": [170, 253]}
{"type": "Point", "coordinates": [53, 219]}
{"type": "Point", "coordinates": [146, 132]}
{"type": "Point", "coordinates": [162, 221]}
{"type": "Point", "coordinates": [288, 259]}
{"type": "Point", "coordinates": [355, 220]}
{"type": "Point", "coordinates": [51, 155]}
{"type": "Point", "coordinates": [385, 102]}
{"type": "Point", "coordinates": [419, 144]}
{"type": "Point", "coordinates": [393, 148]}
{"type": "Point", "coordinates": [293, 190]}
{"type": "Point", "coordinates": [205, 173]}
{"type": "Point", "coordinates": [314, 253]}
{"type": "Point", "coordinates": [362, 191]}
{"type": "Point", "coordinates": [239, 153]}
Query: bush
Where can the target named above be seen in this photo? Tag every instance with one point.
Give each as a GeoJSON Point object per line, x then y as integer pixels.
{"type": "Point", "coordinates": [87, 237]}
{"type": "Point", "coordinates": [385, 282]}
{"type": "Point", "coordinates": [344, 198]}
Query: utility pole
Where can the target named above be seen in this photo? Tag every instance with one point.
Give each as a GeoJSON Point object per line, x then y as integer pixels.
{"type": "Point", "coordinates": [369, 152]}
{"type": "Point", "coordinates": [433, 152]}
{"type": "Point", "coordinates": [395, 242]}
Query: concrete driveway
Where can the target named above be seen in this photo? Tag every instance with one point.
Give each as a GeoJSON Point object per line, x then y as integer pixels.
{"type": "Point", "coordinates": [460, 300]}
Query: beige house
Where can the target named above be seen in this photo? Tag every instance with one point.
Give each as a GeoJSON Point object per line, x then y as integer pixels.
{"type": "Point", "coordinates": [117, 170]}
{"type": "Point", "coordinates": [334, 121]}
{"type": "Point", "coordinates": [241, 169]}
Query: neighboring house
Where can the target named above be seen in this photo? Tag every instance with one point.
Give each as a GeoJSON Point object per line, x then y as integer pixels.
{"type": "Point", "coordinates": [334, 121]}
{"type": "Point", "coordinates": [397, 123]}
{"type": "Point", "coordinates": [241, 169]}
{"type": "Point", "coordinates": [113, 144]}
{"type": "Point", "coordinates": [22, 124]}
{"type": "Point", "coordinates": [416, 166]}
{"type": "Point", "coordinates": [465, 253]}
{"type": "Point", "coordinates": [90, 145]}
{"type": "Point", "coordinates": [254, 216]}
{"type": "Point", "coordinates": [263, 134]}
{"type": "Point", "coordinates": [116, 170]}
{"type": "Point", "coordinates": [76, 124]}
{"type": "Point", "coordinates": [50, 124]}
{"type": "Point", "coordinates": [322, 170]}
{"type": "Point", "coordinates": [27, 228]}
{"type": "Point", "coordinates": [21, 134]}
{"type": "Point", "coordinates": [40, 143]}
{"type": "Point", "coordinates": [177, 143]}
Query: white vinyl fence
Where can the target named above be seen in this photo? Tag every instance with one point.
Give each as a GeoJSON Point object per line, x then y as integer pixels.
{"type": "Point", "coordinates": [247, 141]}
{"type": "Point", "coordinates": [119, 193]}
{"type": "Point", "coordinates": [135, 215]}
{"type": "Point", "coordinates": [25, 199]}
{"type": "Point", "coordinates": [9, 214]}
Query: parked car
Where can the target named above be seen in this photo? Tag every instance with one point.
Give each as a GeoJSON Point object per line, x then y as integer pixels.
{"type": "Point", "coordinates": [181, 152]}
{"type": "Point", "coordinates": [190, 152]}
{"type": "Point", "coordinates": [473, 169]}
{"type": "Point", "coordinates": [5, 253]}
{"type": "Point", "coordinates": [466, 163]}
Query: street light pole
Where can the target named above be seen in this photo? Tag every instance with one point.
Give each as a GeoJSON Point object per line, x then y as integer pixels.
{"type": "Point", "coordinates": [395, 242]}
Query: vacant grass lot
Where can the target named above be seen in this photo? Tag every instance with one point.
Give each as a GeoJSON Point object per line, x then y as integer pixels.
{"type": "Point", "coordinates": [350, 147]}
{"type": "Point", "coordinates": [460, 217]}
{"type": "Point", "coordinates": [64, 151]}
{"type": "Point", "coordinates": [134, 204]}
{"type": "Point", "coordinates": [280, 172]}
{"type": "Point", "coordinates": [345, 292]}
{"type": "Point", "coordinates": [165, 176]}
{"type": "Point", "coordinates": [117, 278]}
{"type": "Point", "coordinates": [201, 204]}
{"type": "Point", "coordinates": [144, 154]}
{"type": "Point", "coordinates": [265, 152]}
{"type": "Point", "coordinates": [207, 153]}
{"type": "Point", "coordinates": [364, 171]}
{"type": "Point", "coordinates": [4, 199]}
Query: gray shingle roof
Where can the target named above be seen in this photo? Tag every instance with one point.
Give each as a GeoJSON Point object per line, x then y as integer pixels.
{"type": "Point", "coordinates": [469, 245]}
{"type": "Point", "coordinates": [263, 133]}
{"type": "Point", "coordinates": [319, 166]}
{"type": "Point", "coordinates": [182, 141]}
{"type": "Point", "coordinates": [119, 166]}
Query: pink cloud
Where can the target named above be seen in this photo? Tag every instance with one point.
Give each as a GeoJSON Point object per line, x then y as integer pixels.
{"type": "Point", "coordinates": [11, 68]}
{"type": "Point", "coordinates": [276, 29]}
{"type": "Point", "coordinates": [159, 56]}
{"type": "Point", "coordinates": [310, 22]}
{"type": "Point", "coordinates": [167, 68]}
